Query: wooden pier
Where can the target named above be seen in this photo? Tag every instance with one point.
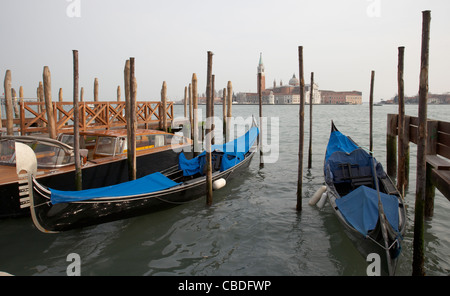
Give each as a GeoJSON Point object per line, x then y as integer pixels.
{"type": "Point", "coordinates": [437, 154]}
{"type": "Point", "coordinates": [93, 115]}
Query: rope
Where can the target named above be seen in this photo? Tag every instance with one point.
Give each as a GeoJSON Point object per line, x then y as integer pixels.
{"type": "Point", "coordinates": [383, 247]}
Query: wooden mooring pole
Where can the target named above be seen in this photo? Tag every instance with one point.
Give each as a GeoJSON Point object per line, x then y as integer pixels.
{"type": "Point", "coordinates": [131, 122]}
{"type": "Point", "coordinates": [260, 140]}
{"type": "Point", "coordinates": [163, 110]}
{"type": "Point", "coordinates": [195, 114]}
{"type": "Point", "coordinates": [8, 103]}
{"type": "Point", "coordinates": [185, 101]}
{"type": "Point", "coordinates": [213, 126]}
{"type": "Point", "coordinates": [224, 114]}
{"type": "Point", "coordinates": [20, 99]}
{"type": "Point", "coordinates": [418, 242]}
{"type": "Point", "coordinates": [391, 145]}
{"type": "Point", "coordinates": [372, 80]}
{"type": "Point", "coordinates": [126, 77]}
{"type": "Point", "coordinates": [229, 110]}
{"type": "Point", "coordinates": [301, 130]}
{"type": "Point", "coordinates": [82, 94]}
{"type": "Point", "coordinates": [209, 95]}
{"type": "Point", "coordinates": [401, 166]}
{"type": "Point", "coordinates": [40, 95]}
{"type": "Point", "coordinates": [14, 100]}
{"type": "Point", "coordinates": [311, 96]}
{"type": "Point", "coordinates": [190, 112]}
{"type": "Point", "coordinates": [48, 102]}
{"type": "Point", "coordinates": [76, 126]}
{"type": "Point", "coordinates": [60, 99]}
{"type": "Point", "coordinates": [96, 89]}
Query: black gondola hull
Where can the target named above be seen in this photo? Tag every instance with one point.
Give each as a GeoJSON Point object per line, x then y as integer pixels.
{"type": "Point", "coordinates": [93, 176]}
{"type": "Point", "coordinates": [66, 216]}
{"type": "Point", "coordinates": [374, 242]}
{"type": "Point", "coordinates": [365, 245]}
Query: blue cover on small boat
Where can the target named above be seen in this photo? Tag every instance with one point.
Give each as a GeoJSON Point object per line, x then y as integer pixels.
{"type": "Point", "coordinates": [234, 152]}
{"type": "Point", "coordinates": [147, 184]}
{"type": "Point", "coordinates": [360, 208]}
{"type": "Point", "coordinates": [339, 142]}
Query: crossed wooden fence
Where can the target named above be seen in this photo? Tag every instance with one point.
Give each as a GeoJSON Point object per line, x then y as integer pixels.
{"type": "Point", "coordinates": [93, 115]}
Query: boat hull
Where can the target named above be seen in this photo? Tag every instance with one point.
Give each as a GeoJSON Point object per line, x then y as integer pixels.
{"type": "Point", "coordinates": [363, 244]}
{"type": "Point", "coordinates": [382, 239]}
{"type": "Point", "coordinates": [67, 216]}
{"type": "Point", "coordinates": [93, 176]}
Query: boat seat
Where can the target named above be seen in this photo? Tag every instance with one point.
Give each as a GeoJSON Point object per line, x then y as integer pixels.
{"type": "Point", "coordinates": [389, 188]}
{"type": "Point", "coordinates": [354, 174]}
{"type": "Point", "coordinates": [362, 180]}
{"type": "Point", "coordinates": [216, 161]}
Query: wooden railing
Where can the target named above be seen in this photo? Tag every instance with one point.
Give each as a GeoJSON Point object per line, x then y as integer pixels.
{"type": "Point", "coordinates": [438, 140]}
{"type": "Point", "coordinates": [437, 153]}
{"type": "Point", "coordinates": [93, 115]}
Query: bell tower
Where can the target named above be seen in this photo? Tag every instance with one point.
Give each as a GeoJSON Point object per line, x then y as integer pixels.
{"type": "Point", "coordinates": [263, 74]}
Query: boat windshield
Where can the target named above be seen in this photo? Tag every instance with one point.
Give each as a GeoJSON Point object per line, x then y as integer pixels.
{"type": "Point", "coordinates": [48, 154]}
{"type": "Point", "coordinates": [106, 146]}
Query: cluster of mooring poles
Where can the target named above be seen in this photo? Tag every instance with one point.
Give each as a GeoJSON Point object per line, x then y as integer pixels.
{"type": "Point", "coordinates": [191, 112]}
{"type": "Point", "coordinates": [302, 128]}
{"type": "Point", "coordinates": [424, 133]}
{"type": "Point", "coordinates": [44, 97]}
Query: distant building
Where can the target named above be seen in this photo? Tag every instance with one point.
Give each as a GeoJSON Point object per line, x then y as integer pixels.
{"type": "Point", "coordinates": [282, 94]}
{"type": "Point", "coordinates": [432, 99]}
{"type": "Point", "coordinates": [341, 97]}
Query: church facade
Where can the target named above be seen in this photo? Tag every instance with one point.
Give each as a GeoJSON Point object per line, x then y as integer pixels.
{"type": "Point", "coordinates": [290, 93]}
{"type": "Point", "coordinates": [278, 94]}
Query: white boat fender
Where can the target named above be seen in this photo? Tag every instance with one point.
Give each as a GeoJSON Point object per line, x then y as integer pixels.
{"type": "Point", "coordinates": [315, 198]}
{"type": "Point", "coordinates": [219, 183]}
{"type": "Point", "coordinates": [322, 200]}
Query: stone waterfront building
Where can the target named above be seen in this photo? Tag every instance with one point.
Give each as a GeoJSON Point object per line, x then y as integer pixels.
{"type": "Point", "coordinates": [341, 97]}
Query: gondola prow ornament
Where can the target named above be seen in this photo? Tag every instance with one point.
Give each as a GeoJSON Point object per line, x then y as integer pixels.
{"type": "Point", "coordinates": [26, 161]}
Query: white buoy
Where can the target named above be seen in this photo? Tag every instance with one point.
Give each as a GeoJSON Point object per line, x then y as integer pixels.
{"type": "Point", "coordinates": [315, 198]}
{"type": "Point", "coordinates": [219, 183]}
{"type": "Point", "coordinates": [322, 200]}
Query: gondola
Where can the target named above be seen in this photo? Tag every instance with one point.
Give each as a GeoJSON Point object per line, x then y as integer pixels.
{"type": "Point", "coordinates": [104, 161]}
{"type": "Point", "coordinates": [55, 210]}
{"type": "Point", "coordinates": [364, 200]}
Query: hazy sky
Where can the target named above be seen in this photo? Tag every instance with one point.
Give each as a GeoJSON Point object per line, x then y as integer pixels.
{"type": "Point", "coordinates": [342, 40]}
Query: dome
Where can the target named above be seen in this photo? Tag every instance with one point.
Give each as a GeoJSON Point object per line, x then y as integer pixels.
{"type": "Point", "coordinates": [294, 81]}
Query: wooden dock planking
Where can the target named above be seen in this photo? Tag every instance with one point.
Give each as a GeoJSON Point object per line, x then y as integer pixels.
{"type": "Point", "coordinates": [441, 179]}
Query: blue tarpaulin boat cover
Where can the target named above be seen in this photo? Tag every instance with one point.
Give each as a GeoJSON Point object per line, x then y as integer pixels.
{"type": "Point", "coordinates": [147, 184]}
{"type": "Point", "coordinates": [339, 142]}
{"type": "Point", "coordinates": [360, 208]}
{"type": "Point", "coordinates": [234, 152]}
